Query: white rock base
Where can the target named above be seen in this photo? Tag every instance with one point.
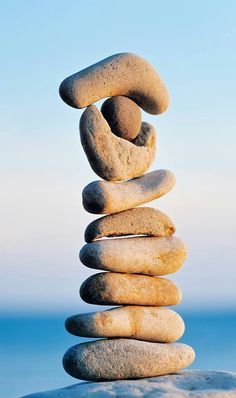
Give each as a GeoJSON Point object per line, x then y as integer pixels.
{"type": "Point", "coordinates": [192, 384]}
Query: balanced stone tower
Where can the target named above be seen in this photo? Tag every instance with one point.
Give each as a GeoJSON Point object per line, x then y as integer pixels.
{"type": "Point", "coordinates": [136, 246]}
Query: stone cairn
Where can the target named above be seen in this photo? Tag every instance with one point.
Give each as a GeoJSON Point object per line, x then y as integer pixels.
{"type": "Point", "coordinates": [139, 336]}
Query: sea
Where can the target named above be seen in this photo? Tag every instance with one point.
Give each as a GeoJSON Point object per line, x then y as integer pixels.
{"type": "Point", "coordinates": [31, 349]}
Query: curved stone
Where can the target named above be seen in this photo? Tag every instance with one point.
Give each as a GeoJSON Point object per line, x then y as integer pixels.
{"type": "Point", "coordinates": [184, 384]}
{"type": "Point", "coordinates": [112, 157]}
{"type": "Point", "coordinates": [139, 255]}
{"type": "Point", "coordinates": [119, 359]}
{"type": "Point", "coordinates": [139, 221]}
{"type": "Point", "coordinates": [120, 74]}
{"type": "Point", "coordinates": [123, 116]}
{"type": "Point", "coordinates": [154, 324]}
{"type": "Point", "coordinates": [110, 288]}
{"type": "Point", "coordinates": [103, 197]}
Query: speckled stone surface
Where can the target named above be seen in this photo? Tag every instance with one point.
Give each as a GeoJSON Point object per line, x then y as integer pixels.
{"type": "Point", "coordinates": [184, 384]}
{"type": "Point", "coordinates": [157, 324]}
{"type": "Point", "coordinates": [120, 359]}
{"type": "Point", "coordinates": [136, 255]}
{"type": "Point", "coordinates": [114, 158]}
{"type": "Point", "coordinates": [105, 197]}
{"type": "Point", "coordinates": [111, 288]}
{"type": "Point", "coordinates": [120, 74]}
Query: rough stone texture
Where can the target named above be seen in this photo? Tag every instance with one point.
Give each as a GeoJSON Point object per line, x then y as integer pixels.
{"type": "Point", "coordinates": [139, 255]}
{"type": "Point", "coordinates": [111, 157]}
{"type": "Point", "coordinates": [123, 116]}
{"type": "Point", "coordinates": [185, 384]}
{"type": "Point", "coordinates": [109, 288]}
{"type": "Point", "coordinates": [103, 197]}
{"type": "Point", "coordinates": [121, 74]}
{"type": "Point", "coordinates": [155, 324]}
{"type": "Point", "coordinates": [140, 221]}
{"type": "Point", "coordinates": [119, 359]}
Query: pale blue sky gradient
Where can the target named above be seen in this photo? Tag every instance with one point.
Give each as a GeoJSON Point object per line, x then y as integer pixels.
{"type": "Point", "coordinates": [43, 167]}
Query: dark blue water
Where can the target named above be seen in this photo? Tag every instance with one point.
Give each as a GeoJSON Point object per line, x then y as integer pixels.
{"type": "Point", "coordinates": [31, 349]}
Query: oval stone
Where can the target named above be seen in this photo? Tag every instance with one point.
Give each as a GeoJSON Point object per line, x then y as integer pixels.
{"type": "Point", "coordinates": [113, 158]}
{"type": "Point", "coordinates": [104, 197]}
{"type": "Point", "coordinates": [118, 359]}
{"type": "Point", "coordinates": [110, 288]}
{"type": "Point", "coordinates": [139, 255]}
{"type": "Point", "coordinates": [123, 116]}
{"type": "Point", "coordinates": [138, 221]}
{"type": "Point", "coordinates": [120, 74]}
{"type": "Point", "coordinates": [155, 324]}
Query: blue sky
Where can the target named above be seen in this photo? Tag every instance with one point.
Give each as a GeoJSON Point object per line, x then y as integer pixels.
{"type": "Point", "coordinates": [43, 167]}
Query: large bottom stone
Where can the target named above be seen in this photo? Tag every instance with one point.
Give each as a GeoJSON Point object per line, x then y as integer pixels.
{"type": "Point", "coordinates": [119, 359]}
{"type": "Point", "coordinates": [188, 384]}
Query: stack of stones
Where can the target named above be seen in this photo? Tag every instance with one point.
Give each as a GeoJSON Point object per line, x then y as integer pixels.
{"type": "Point", "coordinates": [138, 337]}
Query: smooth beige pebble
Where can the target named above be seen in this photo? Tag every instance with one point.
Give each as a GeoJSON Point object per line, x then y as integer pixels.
{"type": "Point", "coordinates": [157, 324]}
{"type": "Point", "coordinates": [105, 197]}
{"type": "Point", "coordinates": [110, 288]}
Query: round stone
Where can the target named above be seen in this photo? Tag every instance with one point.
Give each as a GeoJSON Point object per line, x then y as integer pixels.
{"type": "Point", "coordinates": [123, 117]}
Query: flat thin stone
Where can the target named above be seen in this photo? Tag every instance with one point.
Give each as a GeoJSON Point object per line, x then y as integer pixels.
{"type": "Point", "coordinates": [114, 158]}
{"type": "Point", "coordinates": [120, 74]}
{"type": "Point", "coordinates": [139, 255]}
{"type": "Point", "coordinates": [110, 288]}
{"type": "Point", "coordinates": [156, 324]}
{"type": "Point", "coordinates": [118, 359]}
{"type": "Point", "coordinates": [103, 197]}
{"type": "Point", "coordinates": [139, 221]}
{"type": "Point", "coordinates": [185, 384]}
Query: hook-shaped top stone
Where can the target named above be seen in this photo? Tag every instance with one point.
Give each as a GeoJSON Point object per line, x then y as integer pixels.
{"type": "Point", "coordinates": [121, 74]}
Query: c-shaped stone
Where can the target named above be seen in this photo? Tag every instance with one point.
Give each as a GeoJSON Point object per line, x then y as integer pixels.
{"type": "Point", "coordinates": [114, 158]}
{"type": "Point", "coordinates": [121, 74]}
